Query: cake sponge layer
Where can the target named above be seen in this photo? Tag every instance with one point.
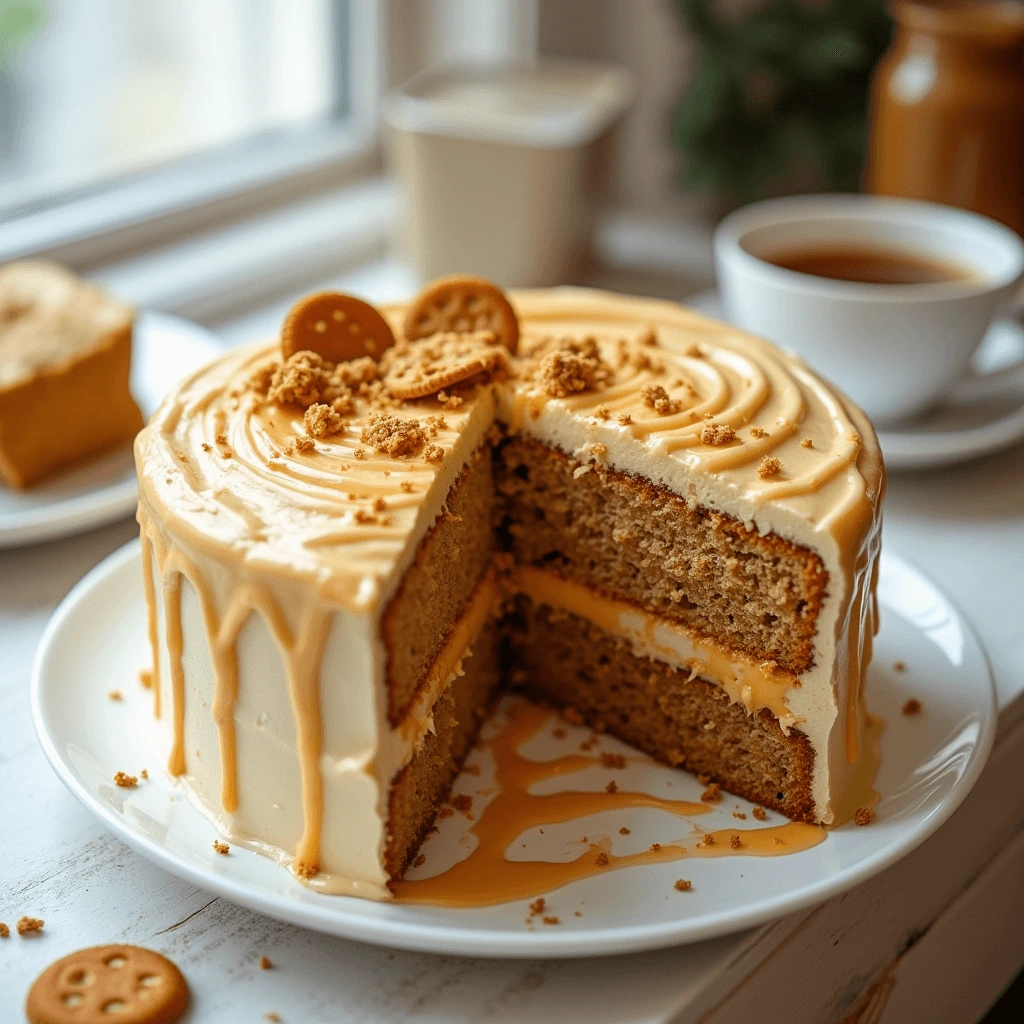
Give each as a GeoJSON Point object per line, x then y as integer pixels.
{"type": "Point", "coordinates": [645, 544]}
{"type": "Point", "coordinates": [687, 723]}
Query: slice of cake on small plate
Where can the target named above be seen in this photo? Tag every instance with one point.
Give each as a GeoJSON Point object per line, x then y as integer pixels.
{"type": "Point", "coordinates": [354, 537]}
{"type": "Point", "coordinates": [65, 355]}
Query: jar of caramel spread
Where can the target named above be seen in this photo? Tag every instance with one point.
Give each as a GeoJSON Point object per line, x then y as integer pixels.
{"type": "Point", "coordinates": [947, 108]}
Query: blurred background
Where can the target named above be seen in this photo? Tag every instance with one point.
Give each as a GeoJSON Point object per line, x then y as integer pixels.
{"type": "Point", "coordinates": [200, 155]}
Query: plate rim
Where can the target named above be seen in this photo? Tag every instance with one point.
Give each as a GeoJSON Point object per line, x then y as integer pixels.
{"type": "Point", "coordinates": [65, 517]}
{"type": "Point", "coordinates": [481, 942]}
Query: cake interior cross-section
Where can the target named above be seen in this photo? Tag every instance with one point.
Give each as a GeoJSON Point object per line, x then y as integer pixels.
{"type": "Point", "coordinates": [356, 536]}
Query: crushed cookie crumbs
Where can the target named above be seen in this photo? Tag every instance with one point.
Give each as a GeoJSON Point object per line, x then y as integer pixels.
{"type": "Point", "coordinates": [463, 803]}
{"type": "Point", "coordinates": [863, 816]}
{"type": "Point", "coordinates": [734, 841]}
{"type": "Point", "coordinates": [602, 860]}
{"type": "Point", "coordinates": [759, 432]}
{"type": "Point", "coordinates": [144, 774]}
{"type": "Point", "coordinates": [304, 444]}
{"type": "Point", "coordinates": [759, 813]}
{"type": "Point", "coordinates": [322, 420]}
{"type": "Point", "coordinates": [573, 367]}
{"type": "Point", "coordinates": [550, 920]}
{"type": "Point", "coordinates": [624, 831]}
{"type": "Point", "coordinates": [265, 964]}
{"type": "Point", "coordinates": [537, 906]}
{"type": "Point", "coordinates": [712, 794]}
{"type": "Point", "coordinates": [739, 815]}
{"type": "Point", "coordinates": [222, 848]}
{"type": "Point", "coordinates": [708, 839]}
{"type": "Point", "coordinates": [5, 932]}
{"type": "Point", "coordinates": [445, 812]}
{"type": "Point", "coordinates": [769, 467]}
{"type": "Point", "coordinates": [30, 925]}
{"type": "Point", "coordinates": [125, 781]}
{"type": "Point", "coordinates": [434, 453]}
{"type": "Point", "coordinates": [420, 861]}
{"type": "Point", "coordinates": [406, 486]}
{"type": "Point", "coordinates": [624, 419]}
{"type": "Point", "coordinates": [657, 398]}
{"type": "Point", "coordinates": [683, 885]}
{"type": "Point", "coordinates": [393, 436]}
{"type": "Point", "coordinates": [654, 847]}
{"type": "Point", "coordinates": [716, 433]}
{"type": "Point", "coordinates": [807, 443]}
{"type": "Point", "coordinates": [912, 707]}
{"type": "Point", "coordinates": [602, 412]}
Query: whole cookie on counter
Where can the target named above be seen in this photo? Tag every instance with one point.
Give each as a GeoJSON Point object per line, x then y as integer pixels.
{"type": "Point", "coordinates": [105, 983]}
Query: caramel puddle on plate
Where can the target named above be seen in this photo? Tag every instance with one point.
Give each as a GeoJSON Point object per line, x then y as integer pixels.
{"type": "Point", "coordinates": [486, 877]}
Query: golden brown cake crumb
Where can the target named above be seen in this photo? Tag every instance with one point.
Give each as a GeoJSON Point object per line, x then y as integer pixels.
{"type": "Point", "coordinates": [912, 707]}
{"type": "Point", "coordinates": [146, 678]}
{"type": "Point", "coordinates": [624, 419]}
{"type": "Point", "coordinates": [758, 432]}
{"type": "Point", "coordinates": [5, 932]}
{"type": "Point", "coordinates": [434, 453]}
{"type": "Point", "coordinates": [222, 848]}
{"type": "Point", "coordinates": [624, 831]}
{"type": "Point", "coordinates": [445, 812]}
{"type": "Point", "coordinates": [655, 847]}
{"type": "Point", "coordinates": [740, 815]}
{"type": "Point", "coordinates": [537, 906]}
{"type": "Point", "coordinates": [322, 420]}
{"type": "Point", "coordinates": [734, 841]}
{"type": "Point", "coordinates": [30, 925]}
{"type": "Point", "coordinates": [420, 860]}
{"type": "Point", "coordinates": [778, 841]}
{"type": "Point", "coordinates": [144, 774]}
{"type": "Point", "coordinates": [602, 860]}
{"type": "Point", "coordinates": [610, 760]}
{"type": "Point", "coordinates": [265, 963]}
{"type": "Point", "coordinates": [863, 816]}
{"type": "Point", "coordinates": [550, 920]}
{"type": "Point", "coordinates": [393, 436]}
{"type": "Point", "coordinates": [683, 885]}
{"type": "Point", "coordinates": [769, 467]}
{"type": "Point", "coordinates": [274, 1018]}
{"type": "Point", "coordinates": [899, 666]}
{"type": "Point", "coordinates": [612, 787]}
{"type": "Point", "coordinates": [708, 839]}
{"type": "Point", "coordinates": [115, 695]}
{"type": "Point", "coordinates": [657, 398]}
{"type": "Point", "coordinates": [716, 433]}
{"type": "Point", "coordinates": [463, 803]}
{"type": "Point", "coordinates": [759, 813]}
{"type": "Point", "coordinates": [712, 794]}
{"type": "Point", "coordinates": [573, 367]}
{"type": "Point", "coordinates": [602, 412]}
{"type": "Point", "coordinates": [304, 444]}
{"type": "Point", "coordinates": [806, 443]}
{"type": "Point", "coordinates": [125, 781]}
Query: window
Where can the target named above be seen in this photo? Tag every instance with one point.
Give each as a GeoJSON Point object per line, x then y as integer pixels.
{"type": "Point", "coordinates": [96, 94]}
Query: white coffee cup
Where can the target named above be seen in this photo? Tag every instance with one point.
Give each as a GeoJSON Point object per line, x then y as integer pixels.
{"type": "Point", "coordinates": [895, 349]}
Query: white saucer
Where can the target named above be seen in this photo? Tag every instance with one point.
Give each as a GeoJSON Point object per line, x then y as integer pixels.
{"type": "Point", "coordinates": [165, 348]}
{"type": "Point", "coordinates": [985, 414]}
{"type": "Point", "coordinates": [95, 643]}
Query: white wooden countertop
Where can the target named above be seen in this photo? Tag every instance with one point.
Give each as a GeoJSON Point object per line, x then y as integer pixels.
{"type": "Point", "coordinates": [936, 937]}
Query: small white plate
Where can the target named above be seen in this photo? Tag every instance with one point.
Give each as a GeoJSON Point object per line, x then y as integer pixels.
{"type": "Point", "coordinates": [984, 414]}
{"type": "Point", "coordinates": [96, 642]}
{"type": "Point", "coordinates": [164, 349]}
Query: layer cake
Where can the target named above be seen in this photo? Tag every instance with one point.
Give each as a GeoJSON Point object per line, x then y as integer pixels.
{"type": "Point", "coordinates": [351, 543]}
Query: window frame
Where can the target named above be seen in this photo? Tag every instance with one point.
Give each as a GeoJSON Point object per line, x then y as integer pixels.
{"type": "Point", "coordinates": [113, 218]}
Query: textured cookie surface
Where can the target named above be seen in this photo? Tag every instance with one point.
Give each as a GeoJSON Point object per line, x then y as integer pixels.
{"type": "Point", "coordinates": [101, 984]}
{"type": "Point", "coordinates": [337, 327]}
{"type": "Point", "coordinates": [463, 304]}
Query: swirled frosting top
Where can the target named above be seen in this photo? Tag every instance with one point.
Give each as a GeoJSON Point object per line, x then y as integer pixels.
{"type": "Point", "coordinates": [340, 498]}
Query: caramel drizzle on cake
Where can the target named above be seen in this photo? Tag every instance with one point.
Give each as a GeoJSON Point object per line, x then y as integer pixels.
{"type": "Point", "coordinates": [296, 489]}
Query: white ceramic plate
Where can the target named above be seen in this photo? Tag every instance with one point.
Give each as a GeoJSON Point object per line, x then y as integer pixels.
{"type": "Point", "coordinates": [985, 413]}
{"type": "Point", "coordinates": [164, 349]}
{"type": "Point", "coordinates": [96, 642]}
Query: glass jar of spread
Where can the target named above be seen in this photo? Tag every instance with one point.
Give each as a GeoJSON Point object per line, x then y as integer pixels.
{"type": "Point", "coordinates": [947, 108]}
